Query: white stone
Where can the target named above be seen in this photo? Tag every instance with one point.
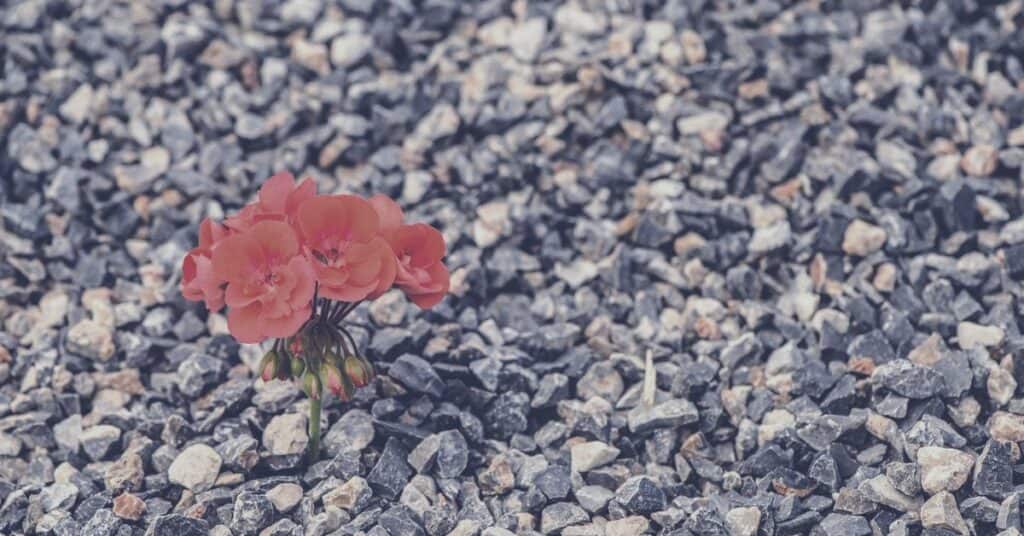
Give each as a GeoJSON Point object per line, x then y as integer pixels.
{"type": "Point", "coordinates": [941, 511]}
{"type": "Point", "coordinates": [348, 50]}
{"type": "Point", "coordinates": [971, 335]}
{"type": "Point", "coordinates": [862, 239]}
{"type": "Point", "coordinates": [78, 106]}
{"type": "Point", "coordinates": [285, 496]}
{"type": "Point", "coordinates": [196, 468]}
{"type": "Point", "coordinates": [286, 434]}
{"type": "Point", "coordinates": [591, 455]}
{"type": "Point", "coordinates": [943, 469]}
{"type": "Point", "coordinates": [627, 526]}
{"type": "Point", "coordinates": [527, 38]}
{"type": "Point", "coordinates": [743, 521]}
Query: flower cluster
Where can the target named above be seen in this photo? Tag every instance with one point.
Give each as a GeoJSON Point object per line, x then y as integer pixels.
{"type": "Point", "coordinates": [291, 265]}
{"type": "Point", "coordinates": [267, 262]}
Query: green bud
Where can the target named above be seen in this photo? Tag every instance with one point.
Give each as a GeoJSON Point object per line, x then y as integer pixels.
{"type": "Point", "coordinates": [297, 367]}
{"type": "Point", "coordinates": [311, 384]}
{"type": "Point", "coordinates": [358, 370]}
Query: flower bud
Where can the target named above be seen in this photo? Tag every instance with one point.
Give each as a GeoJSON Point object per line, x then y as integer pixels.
{"type": "Point", "coordinates": [358, 371]}
{"type": "Point", "coordinates": [311, 384]}
{"type": "Point", "coordinates": [297, 367]}
{"type": "Point", "coordinates": [335, 381]}
{"type": "Point", "coordinates": [268, 366]}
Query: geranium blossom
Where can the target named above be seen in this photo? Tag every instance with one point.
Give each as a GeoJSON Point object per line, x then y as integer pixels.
{"type": "Point", "coordinates": [293, 264]}
{"type": "Point", "coordinates": [419, 250]}
{"type": "Point", "coordinates": [342, 235]}
{"type": "Point", "coordinates": [270, 284]}
{"type": "Point", "coordinates": [198, 281]}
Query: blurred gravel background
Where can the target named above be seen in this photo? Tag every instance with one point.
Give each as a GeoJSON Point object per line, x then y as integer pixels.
{"type": "Point", "coordinates": [806, 216]}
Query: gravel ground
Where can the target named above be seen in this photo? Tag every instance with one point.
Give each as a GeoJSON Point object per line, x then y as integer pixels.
{"type": "Point", "coordinates": [717, 269]}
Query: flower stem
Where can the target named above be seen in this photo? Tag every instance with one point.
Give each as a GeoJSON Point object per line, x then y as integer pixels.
{"type": "Point", "coordinates": [313, 451]}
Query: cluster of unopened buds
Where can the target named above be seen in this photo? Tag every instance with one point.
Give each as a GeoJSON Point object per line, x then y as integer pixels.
{"type": "Point", "coordinates": [293, 264]}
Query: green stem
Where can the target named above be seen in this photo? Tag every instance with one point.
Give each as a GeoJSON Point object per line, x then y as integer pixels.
{"type": "Point", "coordinates": [313, 452]}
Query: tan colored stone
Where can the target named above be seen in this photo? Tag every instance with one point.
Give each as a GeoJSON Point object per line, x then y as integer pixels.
{"type": "Point", "coordinates": [128, 506]}
{"type": "Point", "coordinates": [862, 238]}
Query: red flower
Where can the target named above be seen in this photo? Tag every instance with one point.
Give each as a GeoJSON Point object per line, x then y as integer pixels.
{"type": "Point", "coordinates": [198, 281]}
{"type": "Point", "coordinates": [351, 260]}
{"type": "Point", "coordinates": [422, 275]}
{"type": "Point", "coordinates": [278, 200]}
{"type": "Point", "coordinates": [270, 282]}
{"type": "Point", "coordinates": [419, 251]}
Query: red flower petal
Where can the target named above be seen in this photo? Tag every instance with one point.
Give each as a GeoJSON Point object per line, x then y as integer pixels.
{"type": "Point", "coordinates": [389, 213]}
{"type": "Point", "coordinates": [276, 239]}
{"type": "Point", "coordinates": [305, 191]}
{"type": "Point", "coordinates": [421, 242]}
{"type": "Point", "coordinates": [211, 232]}
{"type": "Point", "coordinates": [237, 257]}
{"type": "Point", "coordinates": [288, 325]}
{"type": "Point", "coordinates": [427, 296]}
{"type": "Point", "coordinates": [239, 295]}
{"type": "Point", "coordinates": [325, 219]}
{"type": "Point", "coordinates": [274, 193]}
{"type": "Point", "coordinates": [305, 282]}
{"type": "Point", "coordinates": [244, 323]}
{"type": "Point", "coordinates": [389, 268]}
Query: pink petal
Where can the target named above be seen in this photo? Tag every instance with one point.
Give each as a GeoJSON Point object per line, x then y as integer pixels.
{"type": "Point", "coordinates": [237, 257]}
{"type": "Point", "coordinates": [244, 324]}
{"type": "Point", "coordinates": [305, 282]}
{"type": "Point", "coordinates": [305, 191]}
{"type": "Point", "coordinates": [286, 326]}
{"type": "Point", "coordinates": [277, 239]}
{"type": "Point", "coordinates": [274, 193]}
{"type": "Point", "coordinates": [389, 213]}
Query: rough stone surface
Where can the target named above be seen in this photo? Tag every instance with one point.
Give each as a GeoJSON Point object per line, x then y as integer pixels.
{"type": "Point", "coordinates": [196, 468]}
{"type": "Point", "coordinates": [714, 267]}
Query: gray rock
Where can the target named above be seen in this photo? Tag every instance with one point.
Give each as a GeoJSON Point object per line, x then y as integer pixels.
{"type": "Point", "coordinates": [59, 496]}
{"type": "Point", "coordinates": [671, 413]}
{"type": "Point", "coordinates": [993, 474]}
{"type": "Point", "coordinates": [416, 374]}
{"type": "Point", "coordinates": [422, 457]}
{"type": "Point", "coordinates": [99, 440]}
{"type": "Point", "coordinates": [560, 515]}
{"type": "Point", "coordinates": [178, 525]}
{"type": "Point", "coordinates": [198, 373]}
{"type": "Point", "coordinates": [252, 512]}
{"type": "Point", "coordinates": [352, 432]}
{"type": "Point", "coordinates": [641, 495]}
{"type": "Point", "coordinates": [844, 525]}
{"type": "Point", "coordinates": [453, 455]}
{"type": "Point", "coordinates": [391, 472]}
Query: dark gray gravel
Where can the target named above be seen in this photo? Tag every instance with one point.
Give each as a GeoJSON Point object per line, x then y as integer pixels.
{"type": "Point", "coordinates": [718, 267]}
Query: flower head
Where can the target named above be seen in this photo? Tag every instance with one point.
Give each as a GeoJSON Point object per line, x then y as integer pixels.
{"type": "Point", "coordinates": [419, 253]}
{"type": "Point", "coordinates": [270, 283]}
{"type": "Point", "coordinates": [351, 260]}
{"type": "Point", "coordinates": [198, 280]}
